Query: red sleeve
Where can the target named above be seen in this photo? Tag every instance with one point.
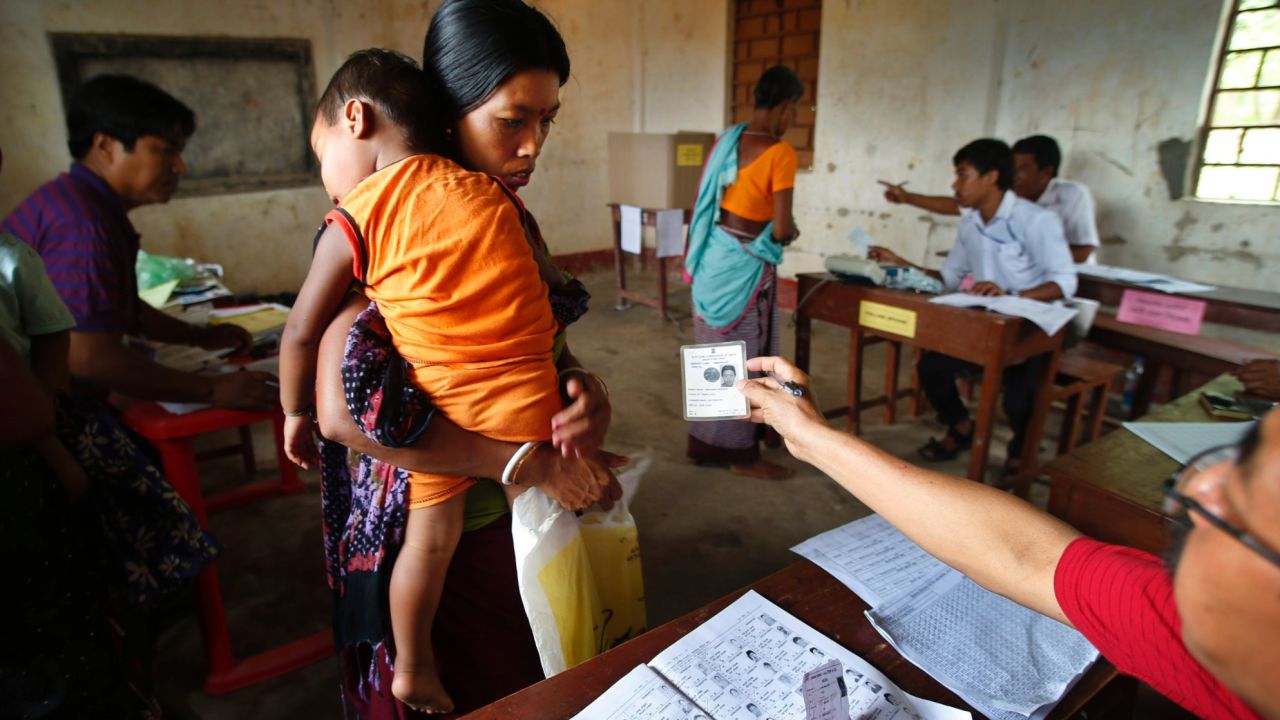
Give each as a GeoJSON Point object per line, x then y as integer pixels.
{"type": "Point", "coordinates": [359, 255]}
{"type": "Point", "coordinates": [1121, 600]}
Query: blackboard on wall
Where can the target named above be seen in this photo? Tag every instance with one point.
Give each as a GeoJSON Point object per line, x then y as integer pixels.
{"type": "Point", "coordinates": [254, 100]}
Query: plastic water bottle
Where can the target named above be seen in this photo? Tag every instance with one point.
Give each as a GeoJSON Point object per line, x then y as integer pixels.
{"type": "Point", "coordinates": [1132, 376]}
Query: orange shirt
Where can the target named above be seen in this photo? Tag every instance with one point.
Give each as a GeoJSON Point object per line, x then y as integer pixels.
{"type": "Point", "coordinates": [751, 195]}
{"type": "Point", "coordinates": [443, 252]}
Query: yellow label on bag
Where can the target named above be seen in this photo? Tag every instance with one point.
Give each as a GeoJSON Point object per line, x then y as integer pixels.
{"type": "Point", "coordinates": [688, 155]}
{"type": "Point", "coordinates": [888, 318]}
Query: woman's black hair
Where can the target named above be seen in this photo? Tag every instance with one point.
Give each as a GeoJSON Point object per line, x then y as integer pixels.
{"type": "Point", "coordinates": [125, 108]}
{"type": "Point", "coordinates": [777, 85]}
{"type": "Point", "coordinates": [473, 46]}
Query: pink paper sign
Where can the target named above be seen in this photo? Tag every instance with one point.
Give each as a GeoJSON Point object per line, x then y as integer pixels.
{"type": "Point", "coordinates": [1165, 312]}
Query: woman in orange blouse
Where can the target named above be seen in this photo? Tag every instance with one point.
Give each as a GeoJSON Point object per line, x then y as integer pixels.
{"type": "Point", "coordinates": [741, 221]}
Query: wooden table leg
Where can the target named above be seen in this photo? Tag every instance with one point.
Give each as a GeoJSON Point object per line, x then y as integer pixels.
{"type": "Point", "coordinates": [662, 289]}
{"type": "Point", "coordinates": [855, 381]}
{"type": "Point", "coordinates": [891, 353]}
{"type": "Point", "coordinates": [619, 261]}
{"type": "Point", "coordinates": [916, 406]}
{"type": "Point", "coordinates": [1146, 389]}
{"type": "Point", "coordinates": [1029, 463]}
{"type": "Point", "coordinates": [804, 330]}
{"type": "Point", "coordinates": [991, 380]}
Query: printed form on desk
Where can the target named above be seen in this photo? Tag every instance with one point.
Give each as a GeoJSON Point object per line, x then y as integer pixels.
{"type": "Point", "coordinates": [1047, 316]}
{"type": "Point", "coordinates": [748, 663]}
{"type": "Point", "coordinates": [1007, 661]}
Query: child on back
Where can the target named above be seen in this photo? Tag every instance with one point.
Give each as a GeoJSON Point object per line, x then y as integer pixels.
{"type": "Point", "coordinates": [443, 253]}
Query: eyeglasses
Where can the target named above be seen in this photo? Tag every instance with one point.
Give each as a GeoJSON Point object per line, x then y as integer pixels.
{"type": "Point", "coordinates": [1192, 480]}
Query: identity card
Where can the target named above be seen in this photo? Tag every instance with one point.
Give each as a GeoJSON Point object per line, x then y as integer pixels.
{"type": "Point", "coordinates": [708, 374]}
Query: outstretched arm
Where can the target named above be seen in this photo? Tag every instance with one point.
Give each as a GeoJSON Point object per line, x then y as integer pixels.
{"type": "Point", "coordinates": [941, 204]}
{"type": "Point", "coordinates": [1001, 542]}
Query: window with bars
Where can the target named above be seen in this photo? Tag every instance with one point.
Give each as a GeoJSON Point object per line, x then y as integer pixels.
{"type": "Point", "coordinates": [1240, 145]}
{"type": "Point", "coordinates": [778, 32]}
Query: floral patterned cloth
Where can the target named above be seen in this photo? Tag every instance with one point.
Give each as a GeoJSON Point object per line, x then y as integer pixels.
{"type": "Point", "coordinates": [153, 543]}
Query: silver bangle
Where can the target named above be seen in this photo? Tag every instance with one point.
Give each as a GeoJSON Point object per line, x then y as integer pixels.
{"type": "Point", "coordinates": [508, 473]}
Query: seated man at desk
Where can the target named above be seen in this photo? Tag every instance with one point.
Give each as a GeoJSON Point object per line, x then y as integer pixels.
{"type": "Point", "coordinates": [1010, 247]}
{"type": "Point", "coordinates": [126, 137]}
{"type": "Point", "coordinates": [1036, 160]}
{"type": "Point", "coordinates": [1200, 628]}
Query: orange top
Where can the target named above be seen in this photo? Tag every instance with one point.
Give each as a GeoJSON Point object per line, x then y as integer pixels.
{"type": "Point", "coordinates": [751, 196]}
{"type": "Point", "coordinates": [443, 252]}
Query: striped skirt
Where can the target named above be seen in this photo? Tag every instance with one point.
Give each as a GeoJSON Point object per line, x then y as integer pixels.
{"type": "Point", "coordinates": [737, 441]}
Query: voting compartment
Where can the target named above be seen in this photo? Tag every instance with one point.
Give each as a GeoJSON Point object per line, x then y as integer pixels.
{"type": "Point", "coordinates": [656, 170]}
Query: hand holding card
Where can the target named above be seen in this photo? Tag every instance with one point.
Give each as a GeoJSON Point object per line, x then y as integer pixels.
{"type": "Point", "coordinates": [708, 375]}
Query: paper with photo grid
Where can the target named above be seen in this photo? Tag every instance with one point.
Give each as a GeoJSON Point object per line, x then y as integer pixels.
{"type": "Point", "coordinates": [707, 376]}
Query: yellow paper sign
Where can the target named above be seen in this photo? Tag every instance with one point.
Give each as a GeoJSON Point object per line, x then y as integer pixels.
{"type": "Point", "coordinates": [887, 318]}
{"type": "Point", "coordinates": [688, 155]}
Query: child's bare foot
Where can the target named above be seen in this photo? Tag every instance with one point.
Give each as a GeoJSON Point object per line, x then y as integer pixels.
{"type": "Point", "coordinates": [420, 688]}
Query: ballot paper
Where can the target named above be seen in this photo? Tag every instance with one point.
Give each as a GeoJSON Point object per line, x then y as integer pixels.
{"type": "Point", "coordinates": [1183, 441]}
{"type": "Point", "coordinates": [670, 231]}
{"type": "Point", "coordinates": [1005, 660]}
{"type": "Point", "coordinates": [748, 663]}
{"type": "Point", "coordinates": [268, 365]}
{"type": "Point", "coordinates": [708, 374]}
{"type": "Point", "coordinates": [1149, 280]}
{"type": "Point", "coordinates": [1047, 316]}
{"type": "Point", "coordinates": [871, 558]}
{"type": "Point", "coordinates": [861, 240]}
{"type": "Point", "coordinates": [630, 227]}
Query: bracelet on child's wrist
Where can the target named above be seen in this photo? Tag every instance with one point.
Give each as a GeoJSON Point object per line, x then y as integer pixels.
{"type": "Point", "coordinates": [307, 411]}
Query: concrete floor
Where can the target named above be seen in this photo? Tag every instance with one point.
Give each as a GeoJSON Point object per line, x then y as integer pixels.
{"type": "Point", "coordinates": [704, 531]}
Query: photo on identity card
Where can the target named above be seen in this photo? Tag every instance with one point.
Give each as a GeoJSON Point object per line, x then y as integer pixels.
{"type": "Point", "coordinates": [707, 375]}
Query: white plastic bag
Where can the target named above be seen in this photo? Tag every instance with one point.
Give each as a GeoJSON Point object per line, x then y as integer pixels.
{"type": "Point", "coordinates": [579, 578]}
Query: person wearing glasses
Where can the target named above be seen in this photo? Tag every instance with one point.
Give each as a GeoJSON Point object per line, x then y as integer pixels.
{"type": "Point", "coordinates": [1201, 626]}
{"type": "Point", "coordinates": [1009, 246]}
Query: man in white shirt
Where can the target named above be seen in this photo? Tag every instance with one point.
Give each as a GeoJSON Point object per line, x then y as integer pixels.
{"type": "Point", "coordinates": [1010, 247]}
{"type": "Point", "coordinates": [1036, 160]}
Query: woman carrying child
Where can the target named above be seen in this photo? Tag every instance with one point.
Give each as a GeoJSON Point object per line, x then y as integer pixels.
{"type": "Point", "coordinates": [499, 107]}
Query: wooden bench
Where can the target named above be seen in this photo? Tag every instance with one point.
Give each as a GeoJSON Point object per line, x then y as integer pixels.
{"type": "Point", "coordinates": [1081, 385]}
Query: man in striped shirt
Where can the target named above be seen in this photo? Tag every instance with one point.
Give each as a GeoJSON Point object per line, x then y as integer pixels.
{"type": "Point", "coordinates": [126, 137]}
{"type": "Point", "coordinates": [1201, 627]}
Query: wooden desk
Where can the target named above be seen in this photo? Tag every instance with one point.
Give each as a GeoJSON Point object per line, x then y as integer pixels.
{"type": "Point", "coordinates": [1111, 489]}
{"type": "Point", "coordinates": [812, 595]}
{"type": "Point", "coordinates": [1258, 309]}
{"type": "Point", "coordinates": [1198, 354]}
{"type": "Point", "coordinates": [989, 340]}
{"type": "Point", "coordinates": [648, 218]}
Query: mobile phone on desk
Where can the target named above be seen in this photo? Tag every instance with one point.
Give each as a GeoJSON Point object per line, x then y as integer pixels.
{"type": "Point", "coordinates": [1231, 408]}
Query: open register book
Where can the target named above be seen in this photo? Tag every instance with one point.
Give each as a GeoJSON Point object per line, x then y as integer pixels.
{"type": "Point", "coordinates": [748, 663]}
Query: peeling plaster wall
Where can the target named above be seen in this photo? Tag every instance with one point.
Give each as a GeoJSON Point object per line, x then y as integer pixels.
{"type": "Point", "coordinates": [901, 85]}
{"type": "Point", "coordinates": [263, 238]}
{"type": "Point", "coordinates": [1120, 96]}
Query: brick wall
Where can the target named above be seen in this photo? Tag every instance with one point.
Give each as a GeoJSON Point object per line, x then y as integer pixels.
{"type": "Point", "coordinates": [773, 32]}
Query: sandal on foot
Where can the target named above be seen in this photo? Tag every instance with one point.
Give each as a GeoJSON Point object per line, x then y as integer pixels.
{"type": "Point", "coordinates": [937, 451]}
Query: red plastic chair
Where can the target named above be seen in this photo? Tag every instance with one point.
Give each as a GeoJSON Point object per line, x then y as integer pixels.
{"type": "Point", "coordinates": [172, 435]}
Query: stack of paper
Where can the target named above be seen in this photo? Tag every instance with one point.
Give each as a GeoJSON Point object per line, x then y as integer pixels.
{"type": "Point", "coordinates": [1149, 280]}
{"type": "Point", "coordinates": [263, 321]}
{"type": "Point", "coordinates": [748, 663]}
{"type": "Point", "coordinates": [1184, 440]}
{"type": "Point", "coordinates": [1005, 660]}
{"type": "Point", "coordinates": [1047, 316]}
